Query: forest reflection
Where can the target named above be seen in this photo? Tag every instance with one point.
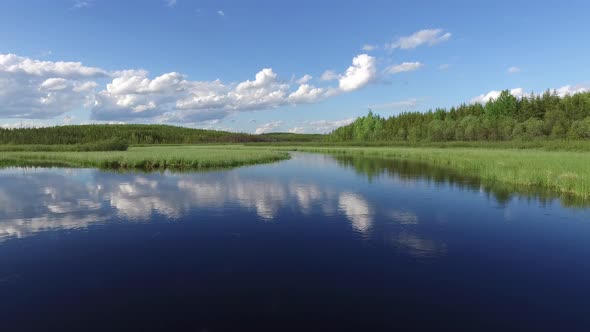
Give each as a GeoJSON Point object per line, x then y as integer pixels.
{"type": "Point", "coordinates": [411, 171]}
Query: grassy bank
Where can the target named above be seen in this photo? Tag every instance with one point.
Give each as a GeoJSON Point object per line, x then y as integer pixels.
{"type": "Point", "coordinates": [560, 171]}
{"type": "Point", "coordinates": [547, 145]}
{"type": "Point", "coordinates": [149, 158]}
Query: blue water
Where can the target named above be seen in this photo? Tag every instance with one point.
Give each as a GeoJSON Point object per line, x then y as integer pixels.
{"type": "Point", "coordinates": [312, 243]}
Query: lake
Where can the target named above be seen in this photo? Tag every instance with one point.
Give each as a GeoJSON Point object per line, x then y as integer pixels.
{"type": "Point", "coordinates": [312, 243]}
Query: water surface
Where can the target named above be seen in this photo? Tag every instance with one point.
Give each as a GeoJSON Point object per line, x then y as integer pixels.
{"type": "Point", "coordinates": [312, 243]}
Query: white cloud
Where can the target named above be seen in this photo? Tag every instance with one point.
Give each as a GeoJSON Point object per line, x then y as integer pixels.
{"type": "Point", "coordinates": [14, 64]}
{"type": "Point", "coordinates": [307, 94]}
{"type": "Point", "coordinates": [571, 90]}
{"type": "Point", "coordinates": [86, 86]}
{"type": "Point", "coordinates": [444, 66]}
{"type": "Point", "coordinates": [329, 75]}
{"type": "Point", "coordinates": [513, 70]}
{"type": "Point", "coordinates": [484, 98]}
{"type": "Point", "coordinates": [221, 13]}
{"type": "Point", "coordinates": [519, 93]}
{"type": "Point", "coordinates": [403, 67]}
{"type": "Point", "coordinates": [320, 126]}
{"type": "Point", "coordinates": [170, 3]}
{"type": "Point", "coordinates": [305, 79]}
{"type": "Point", "coordinates": [361, 73]}
{"type": "Point", "coordinates": [427, 36]}
{"type": "Point", "coordinates": [369, 48]}
{"type": "Point", "coordinates": [44, 89]}
{"type": "Point", "coordinates": [408, 103]}
{"type": "Point", "coordinates": [268, 127]}
{"type": "Point", "coordinates": [54, 84]}
{"type": "Point", "coordinates": [25, 124]}
{"type": "Point", "coordinates": [298, 130]}
{"type": "Point", "coordinates": [172, 97]}
{"type": "Point", "coordinates": [266, 91]}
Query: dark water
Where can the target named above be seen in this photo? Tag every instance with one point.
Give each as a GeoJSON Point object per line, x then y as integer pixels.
{"type": "Point", "coordinates": [313, 243]}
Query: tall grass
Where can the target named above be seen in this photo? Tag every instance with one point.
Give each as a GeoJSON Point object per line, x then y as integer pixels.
{"type": "Point", "coordinates": [148, 158]}
{"type": "Point", "coordinates": [560, 171]}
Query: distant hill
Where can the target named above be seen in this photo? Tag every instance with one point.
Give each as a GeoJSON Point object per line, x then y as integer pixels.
{"type": "Point", "coordinates": [136, 134]}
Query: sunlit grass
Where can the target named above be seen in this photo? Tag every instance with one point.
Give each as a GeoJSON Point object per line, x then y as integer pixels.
{"type": "Point", "coordinates": [149, 158]}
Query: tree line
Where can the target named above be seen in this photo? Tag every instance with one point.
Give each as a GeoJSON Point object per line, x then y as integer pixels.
{"type": "Point", "coordinates": [545, 116]}
{"type": "Point", "coordinates": [129, 133]}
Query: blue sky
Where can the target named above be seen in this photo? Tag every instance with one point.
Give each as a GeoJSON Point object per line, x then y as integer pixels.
{"type": "Point", "coordinates": [256, 66]}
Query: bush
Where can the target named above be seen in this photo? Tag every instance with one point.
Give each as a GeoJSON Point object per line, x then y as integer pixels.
{"type": "Point", "coordinates": [580, 129]}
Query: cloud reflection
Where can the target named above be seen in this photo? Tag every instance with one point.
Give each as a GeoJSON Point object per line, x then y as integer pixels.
{"type": "Point", "coordinates": [418, 247]}
{"type": "Point", "coordinates": [357, 210]}
{"type": "Point", "coordinates": [56, 199]}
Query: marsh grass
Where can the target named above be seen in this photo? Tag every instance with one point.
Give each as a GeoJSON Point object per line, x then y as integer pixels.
{"type": "Point", "coordinates": [148, 158]}
{"type": "Point", "coordinates": [560, 171]}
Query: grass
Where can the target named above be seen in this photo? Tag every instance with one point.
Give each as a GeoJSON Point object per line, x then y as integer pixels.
{"type": "Point", "coordinates": [541, 144]}
{"type": "Point", "coordinates": [560, 171]}
{"type": "Point", "coordinates": [149, 158]}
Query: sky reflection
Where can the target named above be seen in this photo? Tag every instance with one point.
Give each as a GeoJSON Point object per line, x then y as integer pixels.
{"type": "Point", "coordinates": [311, 233]}
{"type": "Point", "coordinates": [308, 187]}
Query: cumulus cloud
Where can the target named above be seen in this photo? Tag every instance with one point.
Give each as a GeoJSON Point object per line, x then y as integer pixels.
{"type": "Point", "coordinates": [268, 127]}
{"type": "Point", "coordinates": [26, 124]}
{"type": "Point", "coordinates": [171, 97]}
{"type": "Point", "coordinates": [403, 67]}
{"type": "Point", "coordinates": [221, 13]}
{"type": "Point", "coordinates": [54, 84]}
{"type": "Point", "coordinates": [571, 90]}
{"type": "Point", "coordinates": [319, 126]}
{"type": "Point", "coordinates": [307, 94]}
{"type": "Point", "coordinates": [44, 89]}
{"type": "Point", "coordinates": [427, 36]}
{"type": "Point", "coordinates": [329, 75]}
{"type": "Point", "coordinates": [519, 92]}
{"type": "Point", "coordinates": [513, 70]}
{"type": "Point", "coordinates": [174, 98]}
{"type": "Point", "coordinates": [14, 64]}
{"type": "Point", "coordinates": [369, 47]}
{"type": "Point", "coordinates": [484, 98]}
{"type": "Point", "coordinates": [304, 79]}
{"type": "Point", "coordinates": [361, 73]}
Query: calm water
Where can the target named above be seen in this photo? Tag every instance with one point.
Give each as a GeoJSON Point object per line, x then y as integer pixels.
{"type": "Point", "coordinates": [313, 243]}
